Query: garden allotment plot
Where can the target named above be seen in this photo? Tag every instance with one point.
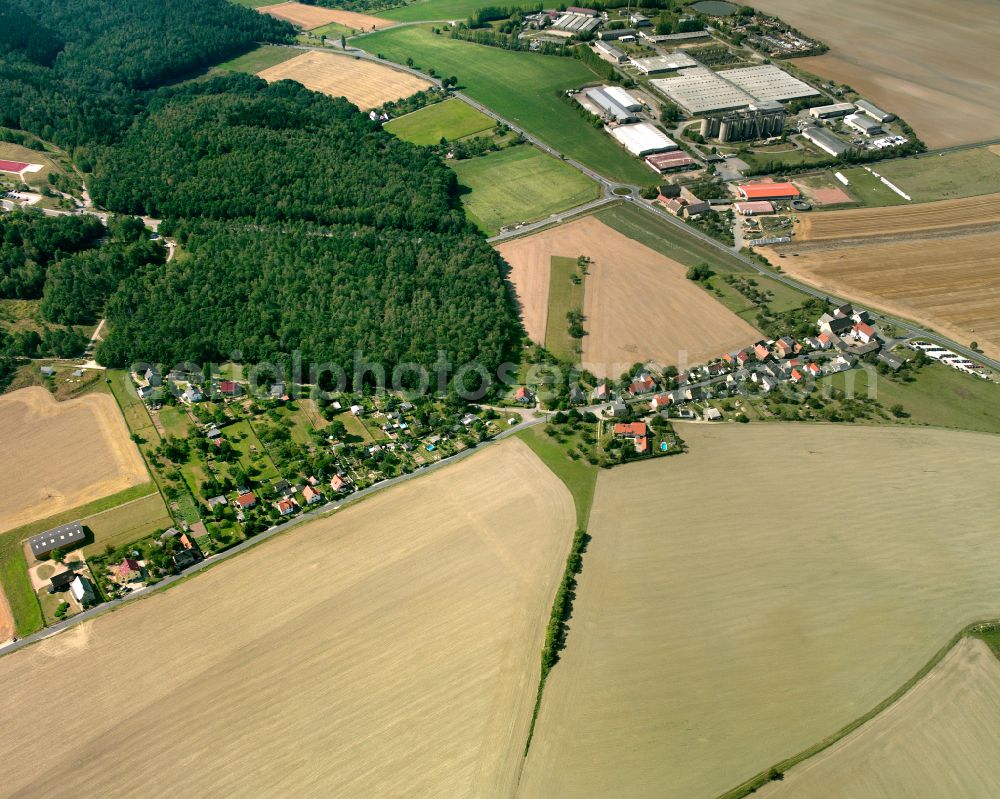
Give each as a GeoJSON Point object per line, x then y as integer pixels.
{"type": "Point", "coordinates": [715, 634]}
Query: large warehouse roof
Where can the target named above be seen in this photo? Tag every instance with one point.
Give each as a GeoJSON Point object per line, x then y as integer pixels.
{"type": "Point", "coordinates": [699, 90]}
{"type": "Point", "coordinates": [602, 98]}
{"type": "Point", "coordinates": [767, 82]}
{"type": "Point", "coordinates": [664, 63]}
{"type": "Point", "coordinates": [57, 537]}
{"type": "Point", "coordinates": [825, 140]}
{"type": "Point", "coordinates": [643, 139]}
{"type": "Point", "coordinates": [622, 97]}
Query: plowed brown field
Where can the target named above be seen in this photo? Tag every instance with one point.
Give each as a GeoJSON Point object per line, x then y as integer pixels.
{"type": "Point", "coordinates": [898, 220]}
{"type": "Point", "coordinates": [935, 263]}
{"type": "Point", "coordinates": [364, 83]}
{"type": "Point", "coordinates": [59, 455]}
{"type": "Point", "coordinates": [933, 64]}
{"type": "Point", "coordinates": [638, 304]}
{"type": "Point", "coordinates": [390, 650]}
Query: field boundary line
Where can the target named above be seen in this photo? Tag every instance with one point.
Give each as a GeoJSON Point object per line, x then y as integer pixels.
{"type": "Point", "coordinates": [777, 771]}
{"type": "Point", "coordinates": [124, 504]}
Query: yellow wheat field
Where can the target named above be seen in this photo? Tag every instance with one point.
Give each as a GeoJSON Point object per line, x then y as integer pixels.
{"type": "Point", "coordinates": [364, 83]}
{"type": "Point", "coordinates": [60, 455]}
{"type": "Point", "coordinates": [308, 17]}
{"type": "Point", "coordinates": [391, 650]}
{"type": "Point", "coordinates": [741, 602]}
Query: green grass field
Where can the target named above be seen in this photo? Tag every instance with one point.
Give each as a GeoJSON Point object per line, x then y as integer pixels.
{"type": "Point", "coordinates": [522, 87]}
{"type": "Point", "coordinates": [868, 189]}
{"type": "Point", "coordinates": [175, 421]}
{"type": "Point", "coordinates": [451, 120]}
{"type": "Point", "coordinates": [564, 296]}
{"type": "Point", "coordinates": [940, 396]}
{"type": "Point", "coordinates": [579, 476]}
{"type": "Point", "coordinates": [302, 428]}
{"type": "Point", "coordinates": [261, 58]}
{"type": "Point", "coordinates": [332, 31]}
{"type": "Point", "coordinates": [422, 10]}
{"type": "Point", "coordinates": [519, 184]}
{"type": "Point", "coordinates": [253, 455]}
{"type": "Point", "coordinates": [964, 173]}
{"type": "Point", "coordinates": [127, 523]}
{"type": "Point", "coordinates": [14, 567]}
{"type": "Point", "coordinates": [132, 408]}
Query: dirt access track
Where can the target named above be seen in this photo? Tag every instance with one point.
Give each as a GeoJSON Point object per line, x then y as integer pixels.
{"type": "Point", "coordinates": [933, 64]}
{"type": "Point", "coordinates": [364, 83]}
{"type": "Point", "coordinates": [388, 650]}
{"type": "Point", "coordinates": [60, 455]}
{"type": "Point", "coordinates": [638, 304]}
{"type": "Point", "coordinates": [935, 263]}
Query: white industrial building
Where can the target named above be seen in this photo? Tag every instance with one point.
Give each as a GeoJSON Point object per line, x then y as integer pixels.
{"type": "Point", "coordinates": [830, 111]}
{"type": "Point", "coordinates": [825, 140]}
{"type": "Point", "coordinates": [621, 111]}
{"type": "Point", "coordinates": [610, 51]}
{"type": "Point", "coordinates": [664, 63]}
{"type": "Point", "coordinates": [862, 124]}
{"type": "Point", "coordinates": [623, 98]}
{"type": "Point", "coordinates": [643, 139]}
{"type": "Point", "coordinates": [700, 90]}
{"type": "Point", "coordinates": [576, 23]}
{"type": "Point", "coordinates": [873, 111]}
{"type": "Point", "coordinates": [768, 83]}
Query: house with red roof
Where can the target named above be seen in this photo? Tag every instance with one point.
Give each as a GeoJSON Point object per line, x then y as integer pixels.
{"type": "Point", "coordinates": [761, 350]}
{"type": "Point", "coordinates": [285, 506]}
{"type": "Point", "coordinates": [338, 483]}
{"type": "Point", "coordinates": [525, 395]}
{"type": "Point", "coordinates": [660, 401]}
{"type": "Point", "coordinates": [796, 376]}
{"type": "Point", "coordinates": [128, 571]}
{"type": "Point", "coordinates": [311, 495]}
{"type": "Point", "coordinates": [785, 347]}
{"type": "Point", "coordinates": [812, 369]}
{"type": "Point", "coordinates": [643, 384]}
{"type": "Point", "coordinates": [864, 333]}
{"type": "Point", "coordinates": [637, 432]}
{"type": "Point", "coordinates": [247, 500]}
{"type": "Point", "coordinates": [743, 357]}
{"type": "Point", "coordinates": [228, 388]}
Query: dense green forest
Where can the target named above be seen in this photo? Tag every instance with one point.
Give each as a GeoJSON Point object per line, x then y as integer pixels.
{"type": "Point", "coordinates": [237, 148]}
{"type": "Point", "coordinates": [305, 227]}
{"type": "Point", "coordinates": [266, 292]}
{"type": "Point", "coordinates": [76, 71]}
{"type": "Point", "coordinates": [30, 242]}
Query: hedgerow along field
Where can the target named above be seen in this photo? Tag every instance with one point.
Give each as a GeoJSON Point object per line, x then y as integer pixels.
{"type": "Point", "coordinates": [390, 649]}
{"type": "Point", "coordinates": [522, 87]}
{"type": "Point", "coordinates": [519, 184]}
{"type": "Point", "coordinates": [940, 739]}
{"type": "Point", "coordinates": [449, 120]}
{"type": "Point", "coordinates": [714, 635]}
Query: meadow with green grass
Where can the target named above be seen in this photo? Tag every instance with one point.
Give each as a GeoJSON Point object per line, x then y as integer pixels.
{"type": "Point", "coordinates": [449, 120]}
{"type": "Point", "coordinates": [565, 296]}
{"type": "Point", "coordinates": [868, 189]}
{"type": "Point", "coordinates": [519, 184]}
{"type": "Point", "coordinates": [126, 523]}
{"type": "Point", "coordinates": [942, 176]}
{"type": "Point", "coordinates": [939, 396]}
{"type": "Point", "coordinates": [524, 88]}
{"type": "Point", "coordinates": [256, 60]}
{"type": "Point", "coordinates": [431, 10]}
{"type": "Point", "coordinates": [253, 456]}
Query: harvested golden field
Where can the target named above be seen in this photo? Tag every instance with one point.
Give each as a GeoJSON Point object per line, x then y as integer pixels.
{"type": "Point", "coordinates": [309, 17]}
{"type": "Point", "coordinates": [638, 303]}
{"type": "Point", "coordinates": [932, 64]}
{"type": "Point", "coordinates": [899, 220]}
{"type": "Point", "coordinates": [59, 455]}
{"type": "Point", "coordinates": [364, 83]}
{"type": "Point", "coordinates": [391, 649]}
{"type": "Point", "coordinates": [724, 621]}
{"type": "Point", "coordinates": [941, 739]}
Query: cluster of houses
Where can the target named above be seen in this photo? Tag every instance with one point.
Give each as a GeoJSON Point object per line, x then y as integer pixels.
{"type": "Point", "coordinates": [190, 387]}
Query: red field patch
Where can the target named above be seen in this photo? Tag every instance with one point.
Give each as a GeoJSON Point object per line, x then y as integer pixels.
{"type": "Point", "coordinates": [831, 196]}
{"type": "Point", "coordinates": [17, 167]}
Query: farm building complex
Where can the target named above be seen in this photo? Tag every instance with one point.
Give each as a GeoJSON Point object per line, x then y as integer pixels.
{"type": "Point", "coordinates": [768, 191]}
